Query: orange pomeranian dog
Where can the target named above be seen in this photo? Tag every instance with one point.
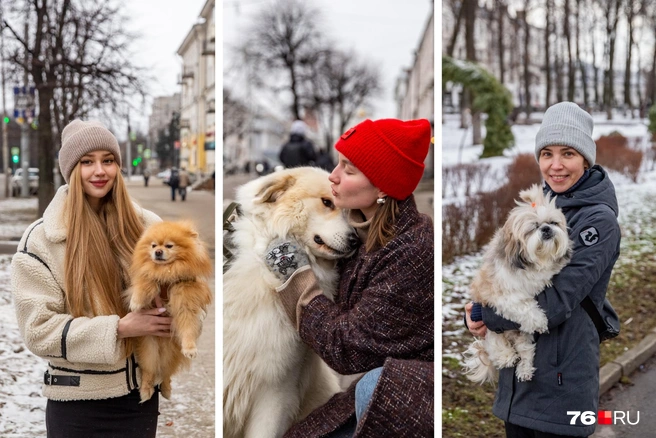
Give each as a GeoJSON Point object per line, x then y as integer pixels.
{"type": "Point", "coordinates": [171, 262]}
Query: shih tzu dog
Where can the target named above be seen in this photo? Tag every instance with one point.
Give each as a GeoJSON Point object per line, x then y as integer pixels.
{"type": "Point", "coordinates": [520, 261]}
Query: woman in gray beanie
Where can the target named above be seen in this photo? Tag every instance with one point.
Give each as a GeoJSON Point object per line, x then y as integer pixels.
{"type": "Point", "coordinates": [567, 357]}
{"type": "Point", "coordinates": [67, 281]}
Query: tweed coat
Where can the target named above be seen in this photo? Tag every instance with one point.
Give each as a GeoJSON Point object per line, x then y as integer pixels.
{"type": "Point", "coordinates": [85, 360]}
{"type": "Point", "coordinates": [382, 316]}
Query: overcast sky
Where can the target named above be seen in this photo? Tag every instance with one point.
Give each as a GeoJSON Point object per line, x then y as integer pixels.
{"type": "Point", "coordinates": [163, 25]}
{"type": "Point", "coordinates": [385, 32]}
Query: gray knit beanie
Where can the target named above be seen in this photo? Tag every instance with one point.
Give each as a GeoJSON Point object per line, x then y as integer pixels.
{"type": "Point", "coordinates": [79, 138]}
{"type": "Point", "coordinates": [565, 124]}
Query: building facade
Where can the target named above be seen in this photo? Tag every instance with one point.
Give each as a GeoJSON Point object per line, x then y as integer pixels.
{"type": "Point", "coordinates": [415, 89]}
{"type": "Point", "coordinates": [197, 121]}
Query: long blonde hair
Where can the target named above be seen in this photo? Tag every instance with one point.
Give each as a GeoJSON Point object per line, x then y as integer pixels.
{"type": "Point", "coordinates": [381, 229]}
{"type": "Point", "coordinates": [99, 248]}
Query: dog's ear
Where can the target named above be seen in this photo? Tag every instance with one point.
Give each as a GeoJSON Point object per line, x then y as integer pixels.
{"type": "Point", "coordinates": [510, 249]}
{"type": "Point", "coordinates": [274, 188]}
{"type": "Point", "coordinates": [532, 195]}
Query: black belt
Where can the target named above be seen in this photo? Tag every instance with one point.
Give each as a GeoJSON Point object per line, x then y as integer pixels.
{"type": "Point", "coordinates": [51, 379]}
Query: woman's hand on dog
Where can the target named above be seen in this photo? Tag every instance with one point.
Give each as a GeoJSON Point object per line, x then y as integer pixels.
{"type": "Point", "coordinates": [477, 328]}
{"type": "Point", "coordinates": [145, 322]}
{"type": "Point", "coordinates": [283, 258]}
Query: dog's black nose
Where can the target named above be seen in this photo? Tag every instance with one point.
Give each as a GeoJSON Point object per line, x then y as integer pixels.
{"type": "Point", "coordinates": [159, 253]}
{"type": "Point", "coordinates": [547, 232]}
{"type": "Point", "coordinates": [353, 241]}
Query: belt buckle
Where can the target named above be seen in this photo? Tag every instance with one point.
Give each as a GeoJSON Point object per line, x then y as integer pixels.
{"type": "Point", "coordinates": [48, 379]}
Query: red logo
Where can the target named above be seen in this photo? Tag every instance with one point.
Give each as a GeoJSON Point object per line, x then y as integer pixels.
{"type": "Point", "coordinates": [604, 417]}
{"type": "Point", "coordinates": [348, 133]}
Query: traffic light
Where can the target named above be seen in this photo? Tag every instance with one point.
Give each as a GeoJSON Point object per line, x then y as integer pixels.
{"type": "Point", "coordinates": [136, 161]}
{"type": "Point", "coordinates": [6, 120]}
{"type": "Point", "coordinates": [14, 159]}
{"type": "Point", "coordinates": [15, 151]}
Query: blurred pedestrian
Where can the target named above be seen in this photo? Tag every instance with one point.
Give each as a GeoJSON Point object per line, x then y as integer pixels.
{"type": "Point", "coordinates": [146, 175]}
{"type": "Point", "coordinates": [298, 151]}
{"type": "Point", "coordinates": [174, 182]}
{"type": "Point", "coordinates": [67, 282]}
{"type": "Point", "coordinates": [183, 177]}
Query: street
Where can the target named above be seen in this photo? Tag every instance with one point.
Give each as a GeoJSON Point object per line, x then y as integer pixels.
{"type": "Point", "coordinates": [633, 398]}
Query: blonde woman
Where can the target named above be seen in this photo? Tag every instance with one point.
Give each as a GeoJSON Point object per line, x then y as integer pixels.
{"type": "Point", "coordinates": [67, 278]}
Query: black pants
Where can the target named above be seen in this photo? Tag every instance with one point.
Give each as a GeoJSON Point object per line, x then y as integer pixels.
{"type": "Point", "coordinates": [514, 431]}
{"type": "Point", "coordinates": [120, 417]}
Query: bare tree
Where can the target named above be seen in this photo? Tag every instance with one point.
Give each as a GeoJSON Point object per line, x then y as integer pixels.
{"type": "Point", "coordinates": [471, 9]}
{"type": "Point", "coordinates": [235, 115]}
{"type": "Point", "coordinates": [579, 63]}
{"type": "Point", "coordinates": [548, 29]}
{"type": "Point", "coordinates": [611, 9]}
{"type": "Point", "coordinates": [284, 38]}
{"type": "Point", "coordinates": [78, 59]}
{"type": "Point", "coordinates": [651, 80]}
{"type": "Point", "coordinates": [571, 72]}
{"type": "Point", "coordinates": [631, 12]}
{"type": "Point", "coordinates": [458, 12]}
{"type": "Point", "coordinates": [341, 86]}
{"type": "Point", "coordinates": [593, 50]}
{"type": "Point", "coordinates": [501, 11]}
{"type": "Point", "coordinates": [521, 16]}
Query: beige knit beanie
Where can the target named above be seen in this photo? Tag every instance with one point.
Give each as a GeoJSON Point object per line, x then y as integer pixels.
{"type": "Point", "coordinates": [79, 138]}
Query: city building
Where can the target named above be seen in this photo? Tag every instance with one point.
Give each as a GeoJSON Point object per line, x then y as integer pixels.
{"type": "Point", "coordinates": [197, 122]}
{"type": "Point", "coordinates": [415, 89]}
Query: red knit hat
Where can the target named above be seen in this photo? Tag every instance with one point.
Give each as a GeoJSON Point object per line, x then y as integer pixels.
{"type": "Point", "coordinates": [390, 153]}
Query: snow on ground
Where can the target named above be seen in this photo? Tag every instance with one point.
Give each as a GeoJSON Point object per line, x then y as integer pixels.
{"type": "Point", "coordinates": [15, 215]}
{"type": "Point", "coordinates": [22, 408]}
{"type": "Point", "coordinates": [636, 200]}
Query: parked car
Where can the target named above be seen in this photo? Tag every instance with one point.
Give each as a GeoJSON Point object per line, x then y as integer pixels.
{"type": "Point", "coordinates": [164, 175]}
{"type": "Point", "coordinates": [17, 181]}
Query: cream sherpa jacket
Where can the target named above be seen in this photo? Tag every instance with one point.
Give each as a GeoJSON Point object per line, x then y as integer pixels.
{"type": "Point", "coordinates": [85, 358]}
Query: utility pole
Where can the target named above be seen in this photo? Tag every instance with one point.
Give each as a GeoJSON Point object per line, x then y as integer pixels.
{"type": "Point", "coordinates": [5, 139]}
{"type": "Point", "coordinates": [128, 151]}
{"type": "Point", "coordinates": [25, 131]}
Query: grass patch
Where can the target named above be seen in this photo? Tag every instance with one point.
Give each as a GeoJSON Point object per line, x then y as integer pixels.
{"type": "Point", "coordinates": [467, 407]}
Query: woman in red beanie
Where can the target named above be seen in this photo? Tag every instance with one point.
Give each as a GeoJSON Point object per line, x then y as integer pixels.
{"type": "Point", "coordinates": [382, 320]}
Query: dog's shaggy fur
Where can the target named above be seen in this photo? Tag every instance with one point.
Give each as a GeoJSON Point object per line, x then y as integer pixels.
{"type": "Point", "coordinates": [271, 379]}
{"type": "Point", "coordinates": [524, 255]}
{"type": "Point", "coordinates": [170, 261]}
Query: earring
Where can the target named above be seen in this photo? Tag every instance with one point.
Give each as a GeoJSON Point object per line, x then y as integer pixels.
{"type": "Point", "coordinates": [380, 200]}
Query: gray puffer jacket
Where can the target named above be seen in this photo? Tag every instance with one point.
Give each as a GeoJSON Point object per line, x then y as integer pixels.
{"type": "Point", "coordinates": [567, 357]}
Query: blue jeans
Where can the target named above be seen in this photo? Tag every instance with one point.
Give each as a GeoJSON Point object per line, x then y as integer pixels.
{"type": "Point", "coordinates": [364, 390]}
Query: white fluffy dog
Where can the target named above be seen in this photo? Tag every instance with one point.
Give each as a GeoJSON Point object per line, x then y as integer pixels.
{"type": "Point", "coordinates": [520, 261]}
{"type": "Point", "coordinates": [271, 379]}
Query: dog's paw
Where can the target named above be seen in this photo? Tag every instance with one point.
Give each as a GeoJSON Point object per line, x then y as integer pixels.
{"type": "Point", "coordinates": [166, 392]}
{"type": "Point", "coordinates": [190, 352]}
{"type": "Point", "coordinates": [538, 323]}
{"type": "Point", "coordinates": [146, 393]}
{"type": "Point", "coordinates": [524, 373]}
{"type": "Point", "coordinates": [507, 362]}
{"type": "Point", "coordinates": [135, 305]}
